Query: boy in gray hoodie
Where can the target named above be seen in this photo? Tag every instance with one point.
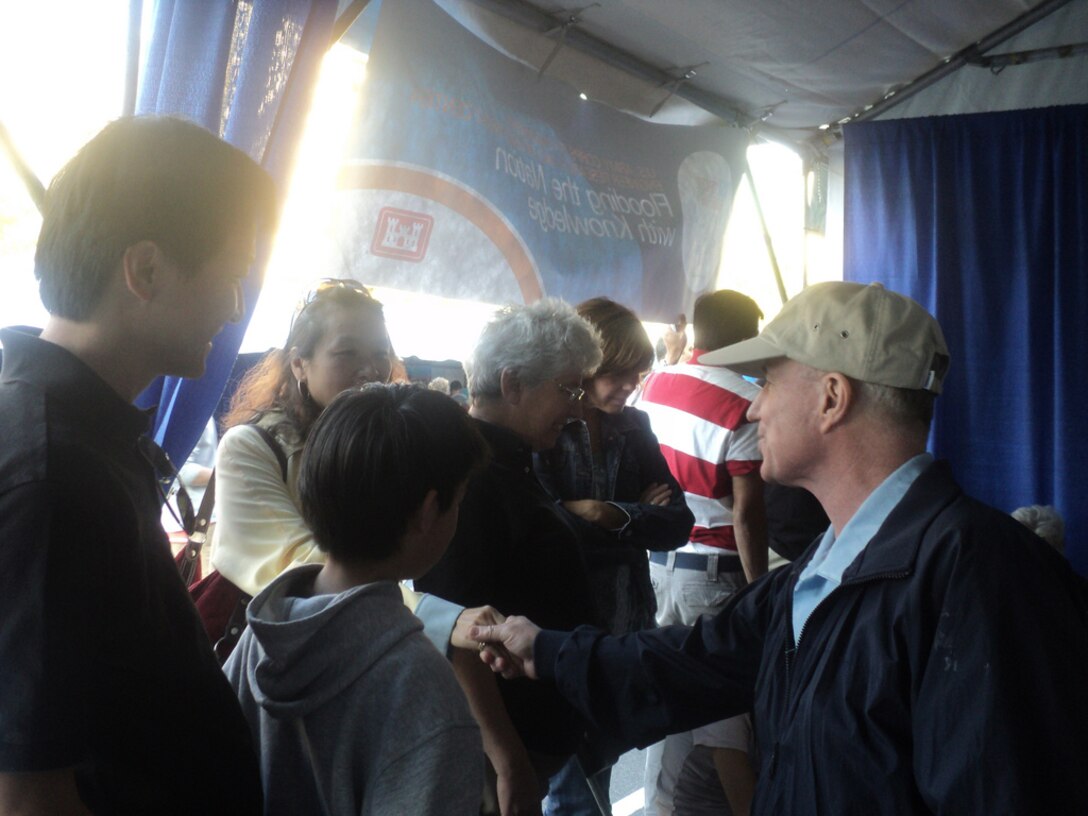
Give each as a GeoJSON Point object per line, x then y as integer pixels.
{"type": "Point", "coordinates": [352, 709]}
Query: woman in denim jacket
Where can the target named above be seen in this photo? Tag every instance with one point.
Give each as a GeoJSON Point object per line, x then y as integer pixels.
{"type": "Point", "coordinates": [608, 472]}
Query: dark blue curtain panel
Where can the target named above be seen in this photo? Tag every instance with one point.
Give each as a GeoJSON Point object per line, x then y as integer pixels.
{"type": "Point", "coordinates": [245, 72]}
{"type": "Point", "coordinates": [983, 219]}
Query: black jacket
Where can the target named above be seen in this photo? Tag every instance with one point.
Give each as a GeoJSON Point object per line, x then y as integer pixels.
{"type": "Point", "coordinates": [947, 674]}
{"type": "Point", "coordinates": [516, 549]}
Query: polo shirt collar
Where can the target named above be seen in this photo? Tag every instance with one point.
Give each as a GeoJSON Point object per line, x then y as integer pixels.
{"type": "Point", "coordinates": [71, 382]}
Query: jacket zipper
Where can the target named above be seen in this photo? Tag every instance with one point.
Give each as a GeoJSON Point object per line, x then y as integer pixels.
{"type": "Point", "coordinates": [790, 652]}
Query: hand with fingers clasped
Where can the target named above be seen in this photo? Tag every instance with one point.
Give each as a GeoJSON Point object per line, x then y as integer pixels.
{"type": "Point", "coordinates": [461, 636]}
{"type": "Point", "coordinates": [508, 647]}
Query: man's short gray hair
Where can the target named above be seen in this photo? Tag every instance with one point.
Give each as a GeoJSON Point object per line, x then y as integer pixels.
{"type": "Point", "coordinates": [540, 342]}
{"type": "Point", "coordinates": [904, 406]}
{"type": "Point", "coordinates": [1045, 521]}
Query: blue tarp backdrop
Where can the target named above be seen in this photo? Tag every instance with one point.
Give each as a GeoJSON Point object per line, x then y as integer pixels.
{"type": "Point", "coordinates": [983, 219]}
{"type": "Point", "coordinates": [472, 177]}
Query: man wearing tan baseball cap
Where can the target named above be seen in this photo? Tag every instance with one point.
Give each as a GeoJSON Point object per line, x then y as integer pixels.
{"type": "Point", "coordinates": [916, 657]}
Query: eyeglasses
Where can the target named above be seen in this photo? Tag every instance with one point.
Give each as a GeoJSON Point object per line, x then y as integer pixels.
{"type": "Point", "coordinates": [169, 485]}
{"type": "Point", "coordinates": [573, 394]}
{"type": "Point", "coordinates": [326, 285]}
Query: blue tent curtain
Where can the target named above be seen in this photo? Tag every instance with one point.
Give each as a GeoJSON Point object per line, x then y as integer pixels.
{"type": "Point", "coordinates": [246, 71]}
{"type": "Point", "coordinates": [984, 220]}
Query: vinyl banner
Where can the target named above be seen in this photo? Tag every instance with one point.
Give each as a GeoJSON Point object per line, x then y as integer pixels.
{"type": "Point", "coordinates": [474, 178]}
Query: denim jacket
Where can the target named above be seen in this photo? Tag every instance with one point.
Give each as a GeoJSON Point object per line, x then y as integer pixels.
{"type": "Point", "coordinates": [617, 559]}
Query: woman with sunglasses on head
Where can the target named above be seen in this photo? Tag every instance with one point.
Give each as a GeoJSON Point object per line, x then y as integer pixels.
{"type": "Point", "coordinates": [337, 341]}
{"type": "Point", "coordinates": [515, 548]}
{"type": "Point", "coordinates": [608, 471]}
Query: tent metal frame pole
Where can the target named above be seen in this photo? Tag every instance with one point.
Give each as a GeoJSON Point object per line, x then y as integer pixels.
{"type": "Point", "coordinates": [32, 183]}
{"type": "Point", "coordinates": [532, 18]}
{"type": "Point", "coordinates": [132, 63]}
{"type": "Point", "coordinates": [766, 233]}
{"type": "Point", "coordinates": [954, 63]}
{"type": "Point", "coordinates": [346, 19]}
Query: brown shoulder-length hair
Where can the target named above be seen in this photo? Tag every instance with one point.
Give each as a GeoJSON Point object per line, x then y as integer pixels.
{"type": "Point", "coordinates": [270, 386]}
{"type": "Point", "coordinates": [624, 342]}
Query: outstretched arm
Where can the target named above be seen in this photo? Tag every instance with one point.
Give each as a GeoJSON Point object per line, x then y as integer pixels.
{"type": "Point", "coordinates": [644, 685]}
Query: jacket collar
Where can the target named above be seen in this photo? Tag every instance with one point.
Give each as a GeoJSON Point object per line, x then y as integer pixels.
{"type": "Point", "coordinates": [507, 448]}
{"type": "Point", "coordinates": [894, 549]}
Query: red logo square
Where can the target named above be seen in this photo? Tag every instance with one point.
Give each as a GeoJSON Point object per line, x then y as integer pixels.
{"type": "Point", "coordinates": [402, 234]}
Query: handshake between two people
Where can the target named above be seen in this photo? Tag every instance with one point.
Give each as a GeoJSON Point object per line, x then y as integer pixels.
{"type": "Point", "coordinates": [505, 644]}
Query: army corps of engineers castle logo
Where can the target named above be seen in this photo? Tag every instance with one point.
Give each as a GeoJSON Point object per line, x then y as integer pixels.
{"type": "Point", "coordinates": [402, 234]}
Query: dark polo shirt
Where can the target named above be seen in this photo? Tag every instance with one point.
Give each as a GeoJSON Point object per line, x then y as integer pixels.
{"type": "Point", "coordinates": [104, 665]}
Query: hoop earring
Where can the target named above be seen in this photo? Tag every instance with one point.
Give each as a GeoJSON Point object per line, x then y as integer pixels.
{"type": "Point", "coordinates": [303, 390]}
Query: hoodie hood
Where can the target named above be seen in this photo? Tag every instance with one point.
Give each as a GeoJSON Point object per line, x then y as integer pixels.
{"type": "Point", "coordinates": [303, 651]}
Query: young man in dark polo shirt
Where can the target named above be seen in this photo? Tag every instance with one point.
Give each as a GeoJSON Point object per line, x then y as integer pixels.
{"type": "Point", "coordinates": [110, 698]}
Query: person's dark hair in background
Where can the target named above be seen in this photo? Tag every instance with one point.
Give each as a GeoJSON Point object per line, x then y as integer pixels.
{"type": "Point", "coordinates": [724, 317]}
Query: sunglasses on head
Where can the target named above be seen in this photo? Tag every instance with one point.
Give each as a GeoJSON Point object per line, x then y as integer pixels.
{"type": "Point", "coordinates": [324, 287]}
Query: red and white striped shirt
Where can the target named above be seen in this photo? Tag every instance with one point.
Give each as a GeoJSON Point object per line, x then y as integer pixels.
{"type": "Point", "coordinates": [699, 415]}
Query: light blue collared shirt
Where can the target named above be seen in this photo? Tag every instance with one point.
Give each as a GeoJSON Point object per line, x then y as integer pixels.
{"type": "Point", "coordinates": [833, 555]}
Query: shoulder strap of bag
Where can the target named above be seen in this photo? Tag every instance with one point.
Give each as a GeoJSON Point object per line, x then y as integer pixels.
{"type": "Point", "coordinates": [190, 557]}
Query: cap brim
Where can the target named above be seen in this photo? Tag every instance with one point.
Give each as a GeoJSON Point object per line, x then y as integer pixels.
{"type": "Point", "coordinates": [746, 357]}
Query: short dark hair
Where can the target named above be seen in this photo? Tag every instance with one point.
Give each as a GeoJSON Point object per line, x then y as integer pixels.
{"type": "Point", "coordinates": [625, 345]}
{"type": "Point", "coordinates": [723, 318]}
{"type": "Point", "coordinates": [370, 460]}
{"type": "Point", "coordinates": [153, 178]}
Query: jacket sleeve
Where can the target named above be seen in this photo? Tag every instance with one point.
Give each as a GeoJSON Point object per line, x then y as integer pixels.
{"type": "Point", "coordinates": [1000, 706]}
{"type": "Point", "coordinates": [259, 530]}
{"type": "Point", "coordinates": [652, 527]}
{"type": "Point", "coordinates": [643, 686]}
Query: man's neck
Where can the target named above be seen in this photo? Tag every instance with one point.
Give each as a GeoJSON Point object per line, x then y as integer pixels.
{"type": "Point", "coordinates": [104, 353]}
{"type": "Point", "coordinates": [850, 477]}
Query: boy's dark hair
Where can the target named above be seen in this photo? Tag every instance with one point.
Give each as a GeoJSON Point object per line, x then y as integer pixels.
{"type": "Point", "coordinates": [370, 460]}
{"type": "Point", "coordinates": [723, 318]}
{"type": "Point", "coordinates": [153, 178]}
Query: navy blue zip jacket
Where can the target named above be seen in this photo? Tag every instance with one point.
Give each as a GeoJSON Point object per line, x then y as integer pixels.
{"type": "Point", "coordinates": [947, 674]}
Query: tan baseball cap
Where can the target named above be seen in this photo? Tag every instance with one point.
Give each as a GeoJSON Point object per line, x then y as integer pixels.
{"type": "Point", "coordinates": [863, 331]}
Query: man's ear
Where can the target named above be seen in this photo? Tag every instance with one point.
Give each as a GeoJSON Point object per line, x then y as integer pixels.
{"type": "Point", "coordinates": [837, 397]}
{"type": "Point", "coordinates": [139, 265]}
{"type": "Point", "coordinates": [510, 383]}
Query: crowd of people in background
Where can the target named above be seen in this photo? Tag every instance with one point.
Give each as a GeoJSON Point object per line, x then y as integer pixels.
{"type": "Point", "coordinates": [456, 598]}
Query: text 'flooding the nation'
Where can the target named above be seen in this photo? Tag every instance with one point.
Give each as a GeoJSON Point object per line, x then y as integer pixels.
{"type": "Point", "coordinates": [560, 206]}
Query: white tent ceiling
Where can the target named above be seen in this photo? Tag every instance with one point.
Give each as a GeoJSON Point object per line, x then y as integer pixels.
{"type": "Point", "coordinates": [786, 67]}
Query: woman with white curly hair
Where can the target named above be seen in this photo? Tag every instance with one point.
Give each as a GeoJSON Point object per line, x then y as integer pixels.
{"type": "Point", "coordinates": [515, 548]}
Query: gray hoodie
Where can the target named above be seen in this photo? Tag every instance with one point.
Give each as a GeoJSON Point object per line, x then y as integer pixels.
{"type": "Point", "coordinates": [352, 675]}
